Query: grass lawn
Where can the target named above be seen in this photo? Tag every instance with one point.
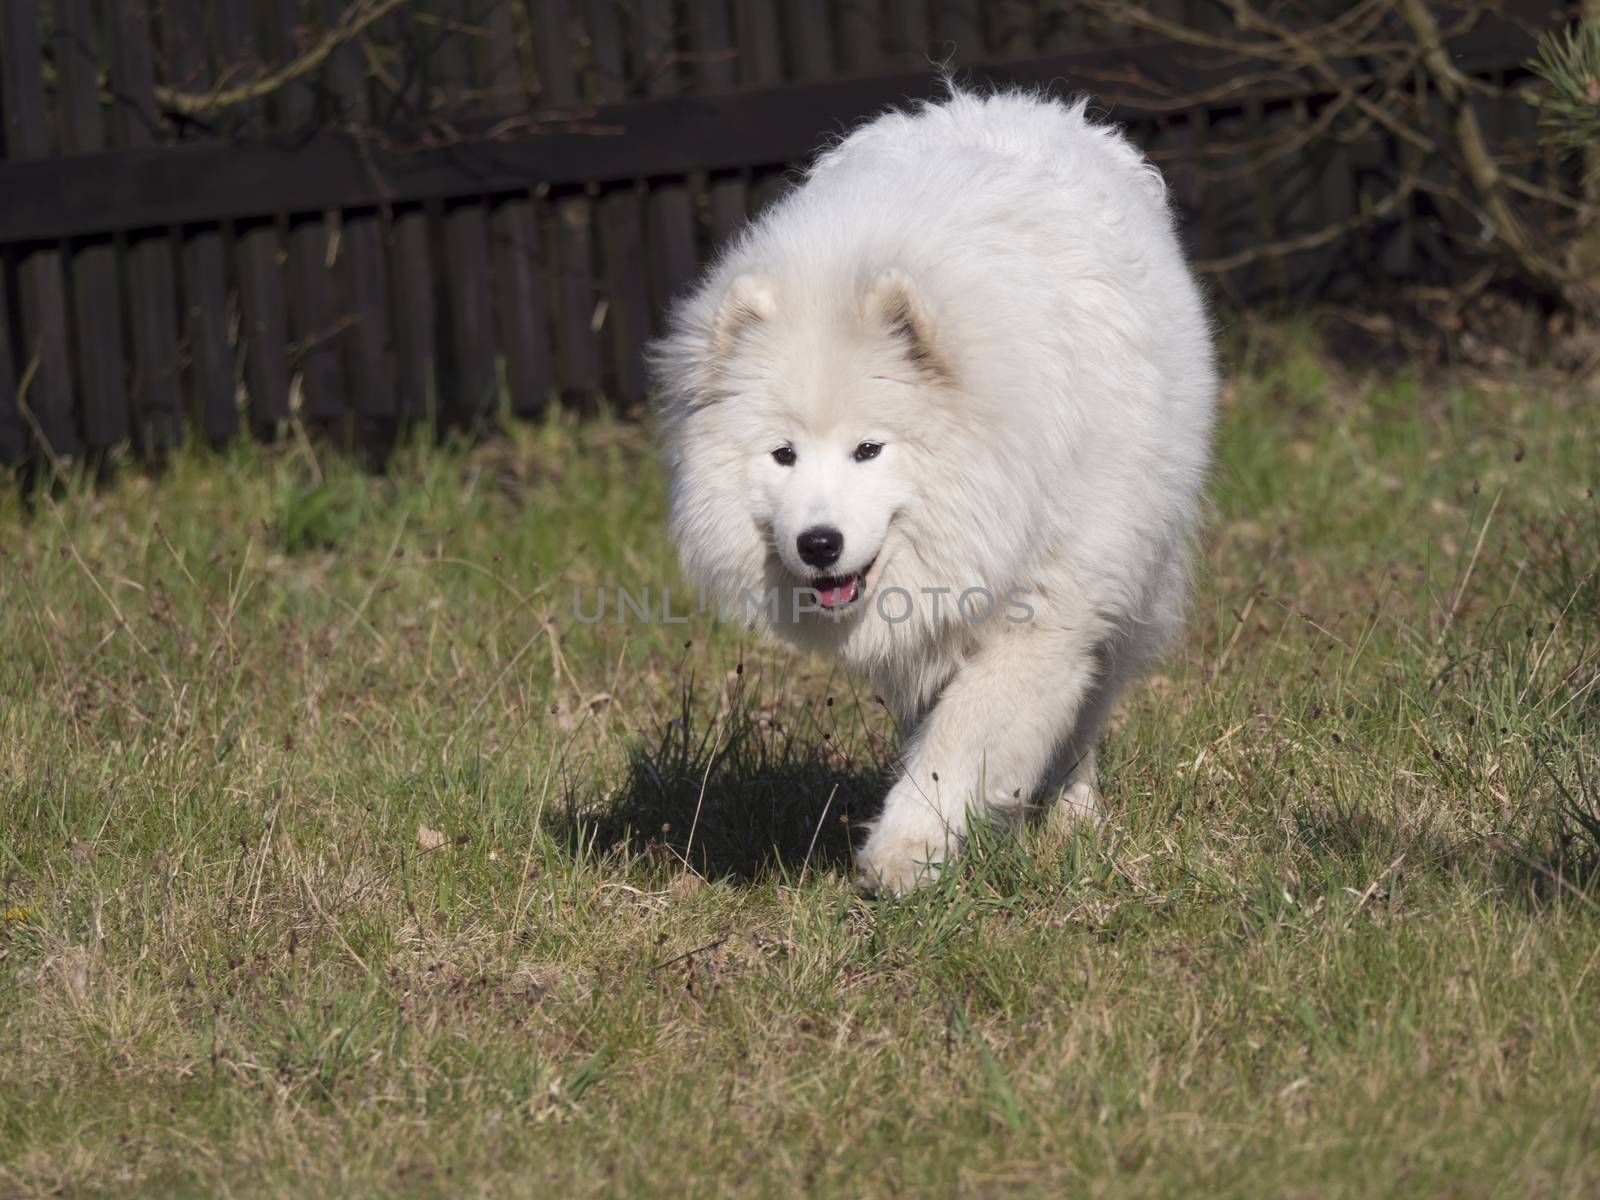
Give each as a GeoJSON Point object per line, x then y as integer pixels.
{"type": "Point", "coordinates": [340, 856]}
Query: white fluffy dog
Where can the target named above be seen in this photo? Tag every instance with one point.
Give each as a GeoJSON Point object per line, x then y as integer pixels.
{"type": "Point", "coordinates": [944, 412]}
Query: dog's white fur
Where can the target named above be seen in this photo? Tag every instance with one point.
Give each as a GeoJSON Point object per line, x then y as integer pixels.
{"type": "Point", "coordinates": [991, 287]}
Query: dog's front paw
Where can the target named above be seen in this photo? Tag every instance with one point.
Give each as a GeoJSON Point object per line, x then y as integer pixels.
{"type": "Point", "coordinates": [1080, 806]}
{"type": "Point", "coordinates": [897, 859]}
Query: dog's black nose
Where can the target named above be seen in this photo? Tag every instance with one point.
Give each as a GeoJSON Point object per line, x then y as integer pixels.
{"type": "Point", "coordinates": [820, 546]}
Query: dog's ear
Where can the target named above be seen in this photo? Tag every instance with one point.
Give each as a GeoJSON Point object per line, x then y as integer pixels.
{"type": "Point", "coordinates": [893, 304]}
{"type": "Point", "coordinates": [749, 300]}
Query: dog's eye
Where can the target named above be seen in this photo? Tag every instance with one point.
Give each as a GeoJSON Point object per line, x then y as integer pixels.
{"type": "Point", "coordinates": [867, 450]}
{"type": "Point", "coordinates": [784, 456]}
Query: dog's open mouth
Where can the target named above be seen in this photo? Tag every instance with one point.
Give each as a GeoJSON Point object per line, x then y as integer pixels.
{"type": "Point", "coordinates": [840, 591]}
{"type": "Point", "coordinates": [835, 592]}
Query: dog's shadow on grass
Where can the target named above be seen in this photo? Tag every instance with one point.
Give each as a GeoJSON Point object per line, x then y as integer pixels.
{"type": "Point", "coordinates": [741, 798]}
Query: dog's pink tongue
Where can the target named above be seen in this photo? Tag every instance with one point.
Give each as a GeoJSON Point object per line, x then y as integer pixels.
{"type": "Point", "coordinates": [836, 594]}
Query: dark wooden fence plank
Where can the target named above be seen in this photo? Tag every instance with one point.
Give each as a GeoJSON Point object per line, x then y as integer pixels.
{"type": "Point", "coordinates": [959, 28]}
{"type": "Point", "coordinates": [910, 39]}
{"type": "Point", "coordinates": [1201, 240]}
{"type": "Point", "coordinates": [601, 25]}
{"type": "Point", "coordinates": [1300, 178]}
{"type": "Point", "coordinates": [318, 335]}
{"type": "Point", "coordinates": [1337, 199]}
{"type": "Point", "coordinates": [261, 284]}
{"type": "Point", "coordinates": [1012, 27]}
{"type": "Point", "coordinates": [553, 45]}
{"type": "Point", "coordinates": [711, 41]}
{"type": "Point", "coordinates": [808, 28]}
{"type": "Point", "coordinates": [369, 356]}
{"type": "Point", "coordinates": [411, 254]}
{"type": "Point", "coordinates": [1204, 136]}
{"type": "Point", "coordinates": [620, 213]}
{"type": "Point", "coordinates": [205, 311]}
{"type": "Point", "coordinates": [471, 325]}
{"type": "Point", "coordinates": [13, 436]}
{"type": "Point", "coordinates": [1260, 188]}
{"type": "Point", "coordinates": [416, 349]}
{"type": "Point", "coordinates": [669, 211]}
{"type": "Point", "coordinates": [153, 292]}
{"type": "Point", "coordinates": [760, 65]}
{"type": "Point", "coordinates": [1224, 172]}
{"type": "Point", "coordinates": [96, 292]}
{"type": "Point", "coordinates": [760, 50]}
{"type": "Point", "coordinates": [575, 293]}
{"type": "Point", "coordinates": [520, 303]}
{"type": "Point", "coordinates": [711, 45]}
{"type": "Point", "coordinates": [861, 35]}
{"type": "Point", "coordinates": [472, 382]}
{"type": "Point", "coordinates": [1400, 251]}
{"type": "Point", "coordinates": [43, 298]}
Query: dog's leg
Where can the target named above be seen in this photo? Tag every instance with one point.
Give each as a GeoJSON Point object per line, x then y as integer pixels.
{"type": "Point", "coordinates": [1072, 797]}
{"type": "Point", "coordinates": [982, 750]}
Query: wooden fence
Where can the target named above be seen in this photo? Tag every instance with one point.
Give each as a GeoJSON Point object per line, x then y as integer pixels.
{"type": "Point", "coordinates": [224, 215]}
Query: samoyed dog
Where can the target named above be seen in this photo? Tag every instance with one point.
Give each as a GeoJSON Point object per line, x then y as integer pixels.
{"type": "Point", "coordinates": [944, 413]}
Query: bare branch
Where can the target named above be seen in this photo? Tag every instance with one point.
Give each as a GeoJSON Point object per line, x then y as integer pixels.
{"type": "Point", "coordinates": [1386, 207]}
{"type": "Point", "coordinates": [355, 20]}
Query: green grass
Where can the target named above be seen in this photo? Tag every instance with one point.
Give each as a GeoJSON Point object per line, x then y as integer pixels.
{"type": "Point", "coordinates": [337, 856]}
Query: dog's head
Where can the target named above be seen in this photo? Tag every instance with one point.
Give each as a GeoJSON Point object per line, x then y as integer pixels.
{"type": "Point", "coordinates": [822, 449]}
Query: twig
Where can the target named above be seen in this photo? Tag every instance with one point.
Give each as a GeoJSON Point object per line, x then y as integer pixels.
{"type": "Point", "coordinates": [711, 760]}
{"type": "Point", "coordinates": [1372, 888]}
{"type": "Point", "coordinates": [678, 958]}
{"type": "Point", "coordinates": [23, 385]}
{"type": "Point", "coordinates": [1466, 578]}
{"type": "Point", "coordinates": [354, 21]}
{"type": "Point", "coordinates": [817, 831]}
{"type": "Point", "coordinates": [1308, 241]}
